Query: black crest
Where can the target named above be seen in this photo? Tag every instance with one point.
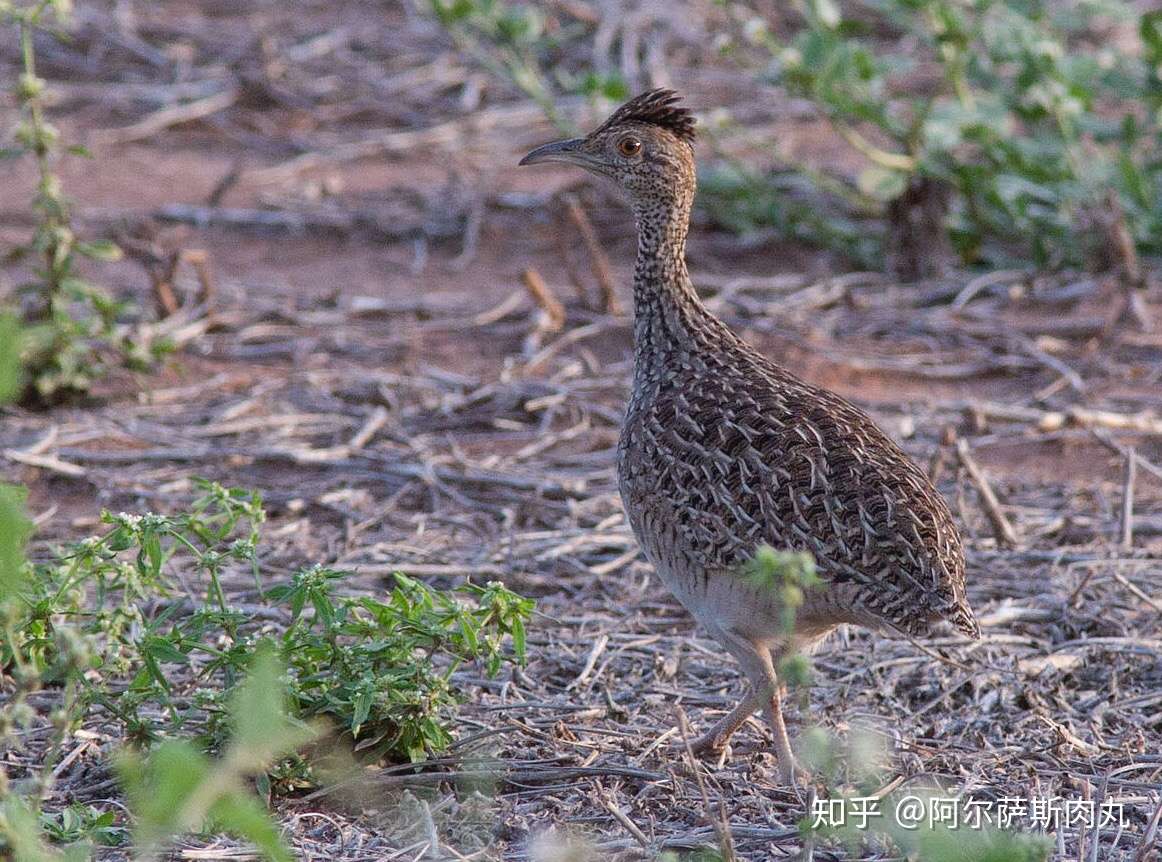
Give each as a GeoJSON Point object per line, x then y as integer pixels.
{"type": "Point", "coordinates": [657, 108]}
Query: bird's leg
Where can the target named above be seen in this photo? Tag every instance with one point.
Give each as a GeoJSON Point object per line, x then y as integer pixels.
{"type": "Point", "coordinates": [774, 708]}
{"type": "Point", "coordinates": [756, 662]}
{"type": "Point", "coordinates": [716, 738]}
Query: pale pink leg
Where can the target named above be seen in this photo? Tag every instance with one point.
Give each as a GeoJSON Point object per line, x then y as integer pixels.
{"type": "Point", "coordinates": [716, 738]}
{"type": "Point", "coordinates": [756, 662]}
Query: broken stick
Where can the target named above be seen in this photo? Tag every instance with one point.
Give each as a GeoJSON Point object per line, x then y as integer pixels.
{"type": "Point", "coordinates": [597, 257]}
{"type": "Point", "coordinates": [1002, 529]}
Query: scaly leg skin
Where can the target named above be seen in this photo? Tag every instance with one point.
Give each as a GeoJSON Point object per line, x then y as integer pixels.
{"type": "Point", "coordinates": [715, 739]}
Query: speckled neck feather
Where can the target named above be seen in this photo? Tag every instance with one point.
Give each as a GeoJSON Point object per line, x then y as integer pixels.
{"type": "Point", "coordinates": [668, 314]}
{"type": "Point", "coordinates": [667, 310]}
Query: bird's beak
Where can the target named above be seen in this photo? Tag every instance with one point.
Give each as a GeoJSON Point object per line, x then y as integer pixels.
{"type": "Point", "coordinates": [569, 152]}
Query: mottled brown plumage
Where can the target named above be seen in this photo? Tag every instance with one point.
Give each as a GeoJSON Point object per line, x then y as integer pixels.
{"type": "Point", "coordinates": [723, 450]}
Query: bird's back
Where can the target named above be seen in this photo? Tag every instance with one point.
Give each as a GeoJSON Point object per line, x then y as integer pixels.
{"type": "Point", "coordinates": [724, 451]}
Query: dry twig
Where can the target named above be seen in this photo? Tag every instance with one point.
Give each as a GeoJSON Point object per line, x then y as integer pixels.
{"type": "Point", "coordinates": [720, 823]}
{"type": "Point", "coordinates": [598, 260]}
{"type": "Point", "coordinates": [1127, 515]}
{"type": "Point", "coordinates": [1002, 529]}
{"type": "Point", "coordinates": [163, 119]}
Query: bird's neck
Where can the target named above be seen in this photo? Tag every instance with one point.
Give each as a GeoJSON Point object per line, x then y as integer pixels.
{"type": "Point", "coordinates": [668, 315]}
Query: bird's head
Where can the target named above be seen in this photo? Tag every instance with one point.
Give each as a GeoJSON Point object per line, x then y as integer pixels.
{"type": "Point", "coordinates": [646, 147]}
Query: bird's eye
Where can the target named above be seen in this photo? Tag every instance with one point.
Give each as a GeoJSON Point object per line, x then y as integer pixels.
{"type": "Point", "coordinates": [629, 146]}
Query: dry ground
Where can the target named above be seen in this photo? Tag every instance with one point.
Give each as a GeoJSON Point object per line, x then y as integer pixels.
{"type": "Point", "coordinates": [492, 451]}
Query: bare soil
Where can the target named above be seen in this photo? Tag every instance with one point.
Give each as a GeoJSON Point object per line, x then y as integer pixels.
{"type": "Point", "coordinates": [496, 457]}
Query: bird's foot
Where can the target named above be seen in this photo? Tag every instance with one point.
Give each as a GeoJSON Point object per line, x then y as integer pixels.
{"type": "Point", "coordinates": [709, 744]}
{"type": "Point", "coordinates": [792, 774]}
{"type": "Point", "coordinates": [795, 778]}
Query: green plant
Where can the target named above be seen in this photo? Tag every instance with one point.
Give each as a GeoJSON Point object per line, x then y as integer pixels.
{"type": "Point", "coordinates": [789, 574]}
{"type": "Point", "coordinates": [98, 586]}
{"type": "Point", "coordinates": [1006, 121]}
{"type": "Point", "coordinates": [745, 201]}
{"type": "Point", "coordinates": [926, 825]}
{"type": "Point", "coordinates": [10, 347]}
{"type": "Point", "coordinates": [1019, 130]}
{"type": "Point", "coordinates": [382, 669]}
{"type": "Point", "coordinates": [14, 530]}
{"type": "Point", "coordinates": [83, 823]}
{"type": "Point", "coordinates": [853, 769]}
{"type": "Point", "coordinates": [989, 845]}
{"type": "Point", "coordinates": [70, 323]}
{"type": "Point", "coordinates": [22, 824]}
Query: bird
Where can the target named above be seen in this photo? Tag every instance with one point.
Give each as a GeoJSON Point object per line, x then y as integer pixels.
{"type": "Point", "coordinates": [724, 451]}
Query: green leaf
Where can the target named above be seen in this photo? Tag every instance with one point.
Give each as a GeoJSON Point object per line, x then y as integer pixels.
{"type": "Point", "coordinates": [795, 670]}
{"type": "Point", "coordinates": [151, 553]}
{"type": "Point", "coordinates": [519, 638]}
{"type": "Point", "coordinates": [159, 789]}
{"type": "Point", "coordinates": [120, 539]}
{"type": "Point", "coordinates": [15, 528]}
{"type": "Point", "coordinates": [155, 671]}
{"type": "Point", "coordinates": [882, 184]}
{"type": "Point", "coordinates": [11, 369]}
{"type": "Point", "coordinates": [177, 789]}
{"type": "Point", "coordinates": [100, 249]}
{"type": "Point", "coordinates": [361, 706]}
{"type": "Point", "coordinates": [989, 845]}
{"type": "Point", "coordinates": [1150, 29]}
{"type": "Point", "coordinates": [324, 609]}
{"type": "Point", "coordinates": [22, 836]}
{"type": "Point", "coordinates": [163, 649]}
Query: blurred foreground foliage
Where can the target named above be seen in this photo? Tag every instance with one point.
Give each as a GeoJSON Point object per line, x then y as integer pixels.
{"type": "Point", "coordinates": [857, 766]}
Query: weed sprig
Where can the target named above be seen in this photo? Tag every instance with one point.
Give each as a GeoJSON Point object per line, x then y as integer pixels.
{"type": "Point", "coordinates": [70, 324]}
